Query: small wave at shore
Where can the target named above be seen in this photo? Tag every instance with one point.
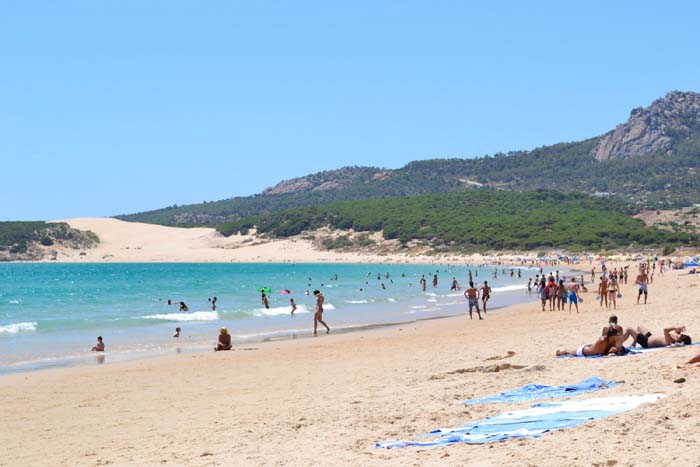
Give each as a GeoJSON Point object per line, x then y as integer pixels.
{"type": "Point", "coordinates": [15, 328]}
{"type": "Point", "coordinates": [196, 316]}
{"type": "Point", "coordinates": [508, 288]}
{"type": "Point", "coordinates": [279, 310]}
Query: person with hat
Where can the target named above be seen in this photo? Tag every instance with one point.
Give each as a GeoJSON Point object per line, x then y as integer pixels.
{"type": "Point", "coordinates": [224, 340]}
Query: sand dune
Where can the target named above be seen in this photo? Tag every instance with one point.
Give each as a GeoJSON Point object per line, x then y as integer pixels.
{"type": "Point", "coordinates": [137, 242]}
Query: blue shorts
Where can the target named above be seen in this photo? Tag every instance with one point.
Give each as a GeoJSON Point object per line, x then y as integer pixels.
{"type": "Point", "coordinates": [573, 298]}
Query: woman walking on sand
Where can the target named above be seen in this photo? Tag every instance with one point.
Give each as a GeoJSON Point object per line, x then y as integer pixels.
{"type": "Point", "coordinates": [318, 316]}
{"type": "Point", "coordinates": [612, 290]}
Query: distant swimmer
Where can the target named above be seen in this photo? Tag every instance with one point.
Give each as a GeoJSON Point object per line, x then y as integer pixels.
{"type": "Point", "coordinates": [435, 280]}
{"type": "Point", "coordinates": [264, 300]}
{"type": "Point", "coordinates": [224, 340]}
{"type": "Point", "coordinates": [183, 307]}
{"type": "Point", "coordinates": [423, 282]}
{"type": "Point", "coordinates": [100, 346]}
{"type": "Point", "coordinates": [177, 332]}
{"type": "Point", "coordinates": [383, 286]}
{"type": "Point", "coordinates": [485, 294]}
{"type": "Point", "coordinates": [453, 288]}
{"type": "Point", "coordinates": [294, 305]}
{"type": "Point", "coordinates": [318, 316]}
{"type": "Point", "coordinates": [472, 294]}
{"type": "Point", "coordinates": [212, 301]}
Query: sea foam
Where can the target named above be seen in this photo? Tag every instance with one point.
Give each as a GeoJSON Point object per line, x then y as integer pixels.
{"type": "Point", "coordinates": [196, 316]}
{"type": "Point", "coordinates": [14, 328]}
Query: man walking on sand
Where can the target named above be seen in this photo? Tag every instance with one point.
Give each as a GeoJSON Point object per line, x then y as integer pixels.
{"type": "Point", "coordinates": [573, 294]}
{"type": "Point", "coordinates": [318, 316]}
{"type": "Point", "coordinates": [472, 294]}
{"type": "Point", "coordinates": [643, 282]}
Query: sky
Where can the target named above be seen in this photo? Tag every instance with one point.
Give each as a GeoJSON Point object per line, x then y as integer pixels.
{"type": "Point", "coordinates": [112, 107]}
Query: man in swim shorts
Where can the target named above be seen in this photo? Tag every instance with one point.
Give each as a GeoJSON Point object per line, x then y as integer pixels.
{"type": "Point", "coordinates": [573, 294]}
{"type": "Point", "coordinates": [672, 336]}
{"type": "Point", "coordinates": [318, 316]}
{"type": "Point", "coordinates": [643, 283]}
{"type": "Point", "coordinates": [472, 294]}
{"type": "Point", "coordinates": [603, 346]}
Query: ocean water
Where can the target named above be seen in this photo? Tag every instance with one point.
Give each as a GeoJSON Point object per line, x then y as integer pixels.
{"type": "Point", "coordinates": [51, 314]}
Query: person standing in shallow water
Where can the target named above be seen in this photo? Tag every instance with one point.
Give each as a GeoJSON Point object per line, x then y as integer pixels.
{"type": "Point", "coordinates": [318, 316]}
{"type": "Point", "coordinates": [264, 300]}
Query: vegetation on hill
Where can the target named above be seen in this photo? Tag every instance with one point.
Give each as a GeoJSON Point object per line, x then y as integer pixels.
{"type": "Point", "coordinates": [476, 221]}
{"type": "Point", "coordinates": [23, 240]}
{"type": "Point", "coordinates": [661, 174]}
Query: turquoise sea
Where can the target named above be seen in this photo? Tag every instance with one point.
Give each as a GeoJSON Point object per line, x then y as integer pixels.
{"type": "Point", "coordinates": [51, 314]}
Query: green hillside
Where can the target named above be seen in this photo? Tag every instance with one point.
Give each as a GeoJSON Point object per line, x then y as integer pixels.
{"type": "Point", "coordinates": [651, 161]}
{"type": "Point", "coordinates": [475, 221]}
{"type": "Point", "coordinates": [18, 238]}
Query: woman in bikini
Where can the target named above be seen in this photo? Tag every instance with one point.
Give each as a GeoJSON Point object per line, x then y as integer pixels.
{"type": "Point", "coordinates": [612, 290]}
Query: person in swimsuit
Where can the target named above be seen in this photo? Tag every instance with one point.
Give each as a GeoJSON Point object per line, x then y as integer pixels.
{"type": "Point", "coordinates": [612, 290]}
{"type": "Point", "coordinates": [224, 340]}
{"type": "Point", "coordinates": [573, 294]}
{"type": "Point", "coordinates": [264, 300]}
{"type": "Point", "coordinates": [485, 294]}
{"type": "Point", "coordinates": [472, 294]}
{"type": "Point", "coordinates": [318, 316]}
{"type": "Point", "coordinates": [603, 291]}
{"type": "Point", "coordinates": [542, 292]}
{"type": "Point", "coordinates": [183, 307]}
{"type": "Point", "coordinates": [561, 295]}
{"type": "Point", "coordinates": [100, 346]}
{"type": "Point", "coordinates": [672, 335]}
{"type": "Point", "coordinates": [603, 346]}
{"type": "Point", "coordinates": [643, 283]}
{"type": "Point", "coordinates": [294, 305]}
{"type": "Point", "coordinates": [177, 332]}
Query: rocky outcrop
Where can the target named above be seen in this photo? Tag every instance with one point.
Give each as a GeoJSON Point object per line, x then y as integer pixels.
{"type": "Point", "coordinates": [652, 129]}
{"type": "Point", "coordinates": [327, 180]}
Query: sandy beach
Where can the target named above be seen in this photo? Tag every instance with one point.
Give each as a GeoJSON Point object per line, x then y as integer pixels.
{"type": "Point", "coordinates": [133, 242]}
{"type": "Point", "coordinates": [326, 401]}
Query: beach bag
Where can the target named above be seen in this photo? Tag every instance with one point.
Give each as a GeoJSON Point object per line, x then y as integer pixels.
{"type": "Point", "coordinates": [619, 295]}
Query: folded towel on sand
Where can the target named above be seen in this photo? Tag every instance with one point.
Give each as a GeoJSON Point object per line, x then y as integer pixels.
{"type": "Point", "coordinates": [532, 422]}
{"type": "Point", "coordinates": [540, 391]}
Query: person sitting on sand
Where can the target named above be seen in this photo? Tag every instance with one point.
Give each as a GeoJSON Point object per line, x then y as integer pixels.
{"type": "Point", "coordinates": [672, 335]}
{"type": "Point", "coordinates": [177, 332]}
{"type": "Point", "coordinates": [603, 346]}
{"type": "Point", "coordinates": [100, 346]}
{"type": "Point", "coordinates": [224, 340]}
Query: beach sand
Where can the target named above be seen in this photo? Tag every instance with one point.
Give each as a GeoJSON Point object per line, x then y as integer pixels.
{"type": "Point", "coordinates": [130, 242]}
{"type": "Point", "coordinates": [327, 400]}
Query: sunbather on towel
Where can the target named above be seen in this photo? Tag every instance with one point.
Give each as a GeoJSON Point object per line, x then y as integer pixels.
{"type": "Point", "coordinates": [671, 336]}
{"type": "Point", "coordinates": [603, 346]}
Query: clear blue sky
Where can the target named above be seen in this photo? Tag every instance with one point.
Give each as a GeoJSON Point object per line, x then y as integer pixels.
{"type": "Point", "coordinates": [110, 107]}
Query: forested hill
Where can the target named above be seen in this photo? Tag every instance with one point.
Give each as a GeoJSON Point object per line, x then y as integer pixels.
{"type": "Point", "coordinates": [36, 240]}
{"type": "Point", "coordinates": [474, 221]}
{"type": "Point", "coordinates": [650, 161]}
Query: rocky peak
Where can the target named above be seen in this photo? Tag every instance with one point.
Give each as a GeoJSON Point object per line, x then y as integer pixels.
{"type": "Point", "coordinates": [651, 129]}
{"type": "Point", "coordinates": [326, 180]}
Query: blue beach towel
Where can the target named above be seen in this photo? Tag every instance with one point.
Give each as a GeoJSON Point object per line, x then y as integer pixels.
{"type": "Point", "coordinates": [529, 423]}
{"type": "Point", "coordinates": [540, 391]}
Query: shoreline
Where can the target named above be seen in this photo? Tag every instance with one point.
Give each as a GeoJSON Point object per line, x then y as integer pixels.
{"type": "Point", "coordinates": [331, 398]}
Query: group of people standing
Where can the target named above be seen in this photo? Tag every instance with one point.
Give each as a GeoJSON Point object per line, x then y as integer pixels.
{"type": "Point", "coordinates": [553, 291]}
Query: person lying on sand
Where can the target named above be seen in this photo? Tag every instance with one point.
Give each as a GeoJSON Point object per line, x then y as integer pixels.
{"type": "Point", "coordinates": [671, 336]}
{"type": "Point", "coordinates": [693, 362]}
{"type": "Point", "coordinates": [224, 340]}
{"type": "Point", "coordinates": [100, 346]}
{"type": "Point", "coordinates": [603, 346]}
